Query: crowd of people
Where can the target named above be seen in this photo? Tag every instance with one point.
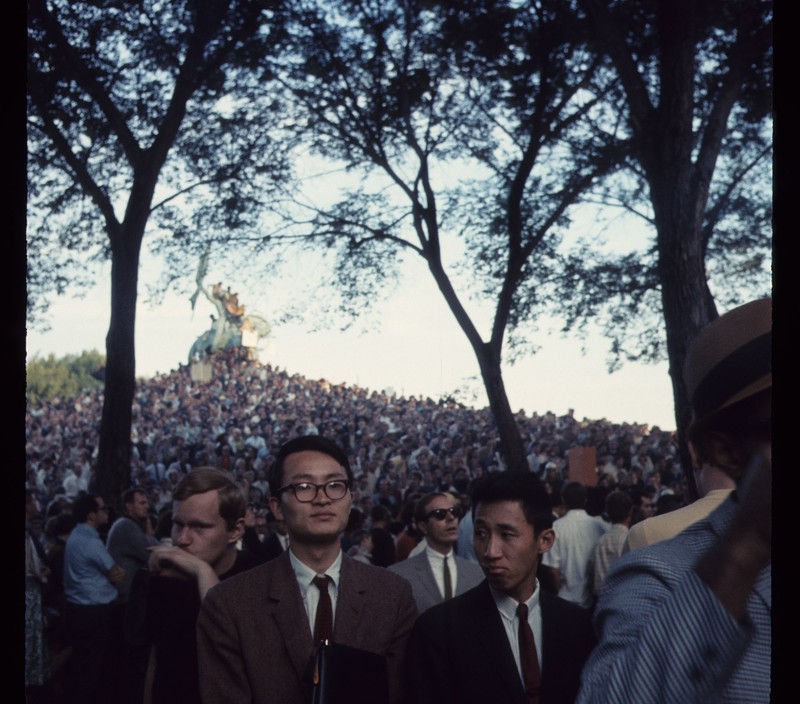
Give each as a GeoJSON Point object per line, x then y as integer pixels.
{"type": "Point", "coordinates": [237, 418]}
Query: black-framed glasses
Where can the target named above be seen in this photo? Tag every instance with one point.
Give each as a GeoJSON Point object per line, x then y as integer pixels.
{"type": "Point", "coordinates": [306, 492]}
{"type": "Point", "coordinates": [441, 513]}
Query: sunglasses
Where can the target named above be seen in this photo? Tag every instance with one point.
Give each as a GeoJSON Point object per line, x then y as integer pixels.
{"type": "Point", "coordinates": [441, 513]}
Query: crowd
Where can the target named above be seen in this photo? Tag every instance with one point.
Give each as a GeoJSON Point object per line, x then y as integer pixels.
{"type": "Point", "coordinates": [236, 418]}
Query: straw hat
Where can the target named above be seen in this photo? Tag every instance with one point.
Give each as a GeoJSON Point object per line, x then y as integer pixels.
{"type": "Point", "coordinates": [730, 360]}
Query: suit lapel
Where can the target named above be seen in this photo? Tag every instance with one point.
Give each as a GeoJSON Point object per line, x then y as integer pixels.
{"type": "Point", "coordinates": [551, 635]}
{"type": "Point", "coordinates": [427, 578]}
{"type": "Point", "coordinates": [349, 604]}
{"type": "Point", "coordinates": [489, 629]}
{"type": "Point", "coordinates": [290, 615]}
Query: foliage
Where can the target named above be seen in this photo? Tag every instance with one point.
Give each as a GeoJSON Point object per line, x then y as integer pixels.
{"type": "Point", "coordinates": [122, 97]}
{"type": "Point", "coordinates": [129, 113]}
{"type": "Point", "coordinates": [697, 113]}
{"type": "Point", "coordinates": [473, 133]}
{"type": "Point", "coordinates": [62, 377]}
{"type": "Point", "coordinates": [469, 132]}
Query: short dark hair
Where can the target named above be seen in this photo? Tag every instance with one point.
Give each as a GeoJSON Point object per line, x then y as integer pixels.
{"type": "Point", "coordinates": [83, 506]}
{"type": "Point", "coordinates": [379, 512]}
{"type": "Point", "coordinates": [524, 487]}
{"type": "Point", "coordinates": [305, 443]}
{"type": "Point", "coordinates": [59, 524]}
{"type": "Point", "coordinates": [359, 535]}
{"type": "Point", "coordinates": [232, 501]}
{"type": "Point", "coordinates": [575, 495]}
{"type": "Point", "coordinates": [129, 495]}
{"type": "Point", "coordinates": [618, 505]}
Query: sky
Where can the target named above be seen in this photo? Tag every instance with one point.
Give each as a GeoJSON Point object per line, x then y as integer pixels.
{"type": "Point", "coordinates": [412, 345]}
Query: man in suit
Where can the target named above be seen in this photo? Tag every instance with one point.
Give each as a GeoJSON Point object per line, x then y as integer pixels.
{"type": "Point", "coordinates": [257, 631]}
{"type": "Point", "coordinates": [505, 640]}
{"type": "Point", "coordinates": [258, 539]}
{"type": "Point", "coordinates": [438, 573]}
{"type": "Point", "coordinates": [689, 619]}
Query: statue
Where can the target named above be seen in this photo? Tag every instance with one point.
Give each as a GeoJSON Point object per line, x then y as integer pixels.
{"type": "Point", "coordinates": [232, 327]}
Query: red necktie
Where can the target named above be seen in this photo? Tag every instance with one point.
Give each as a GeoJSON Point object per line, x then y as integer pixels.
{"type": "Point", "coordinates": [323, 622]}
{"type": "Point", "coordinates": [528, 657]}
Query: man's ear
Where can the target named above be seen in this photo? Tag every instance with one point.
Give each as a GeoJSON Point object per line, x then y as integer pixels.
{"type": "Point", "coordinates": [546, 539]}
{"type": "Point", "coordinates": [275, 507]}
{"type": "Point", "coordinates": [238, 531]}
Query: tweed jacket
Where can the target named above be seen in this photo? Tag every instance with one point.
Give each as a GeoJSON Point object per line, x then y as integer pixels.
{"type": "Point", "coordinates": [254, 639]}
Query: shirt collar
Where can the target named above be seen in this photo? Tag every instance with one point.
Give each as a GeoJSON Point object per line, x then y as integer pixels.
{"type": "Point", "coordinates": [507, 606]}
{"type": "Point", "coordinates": [305, 575]}
{"type": "Point", "coordinates": [434, 555]}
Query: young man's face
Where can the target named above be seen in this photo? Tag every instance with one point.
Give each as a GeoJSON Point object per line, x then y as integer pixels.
{"type": "Point", "coordinates": [647, 506]}
{"type": "Point", "coordinates": [441, 533]}
{"type": "Point", "coordinates": [507, 547]}
{"type": "Point", "coordinates": [138, 508]}
{"type": "Point", "coordinates": [198, 528]}
{"type": "Point", "coordinates": [322, 519]}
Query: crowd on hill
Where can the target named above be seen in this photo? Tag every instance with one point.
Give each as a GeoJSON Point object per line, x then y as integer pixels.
{"type": "Point", "coordinates": [238, 419]}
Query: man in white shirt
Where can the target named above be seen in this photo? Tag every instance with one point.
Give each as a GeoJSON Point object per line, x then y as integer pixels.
{"type": "Point", "coordinates": [570, 559]}
{"type": "Point", "coordinates": [76, 480]}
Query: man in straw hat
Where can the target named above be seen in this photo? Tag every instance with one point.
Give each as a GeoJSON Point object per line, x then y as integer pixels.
{"type": "Point", "coordinates": [689, 619]}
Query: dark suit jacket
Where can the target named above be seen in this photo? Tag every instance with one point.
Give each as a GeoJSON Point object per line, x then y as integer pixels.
{"type": "Point", "coordinates": [254, 639]}
{"type": "Point", "coordinates": [459, 652]}
{"type": "Point", "coordinates": [268, 550]}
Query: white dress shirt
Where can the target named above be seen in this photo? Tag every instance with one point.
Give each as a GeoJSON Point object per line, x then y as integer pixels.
{"type": "Point", "coordinates": [508, 613]}
{"type": "Point", "coordinates": [310, 593]}
{"type": "Point", "coordinates": [436, 560]}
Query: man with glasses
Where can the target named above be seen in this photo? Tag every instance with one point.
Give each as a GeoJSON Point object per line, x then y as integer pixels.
{"type": "Point", "coordinates": [257, 631]}
{"type": "Point", "coordinates": [438, 574]}
{"type": "Point", "coordinates": [90, 587]}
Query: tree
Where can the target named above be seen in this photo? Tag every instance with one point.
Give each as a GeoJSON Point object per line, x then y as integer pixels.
{"type": "Point", "coordinates": [65, 377]}
{"type": "Point", "coordinates": [125, 105]}
{"type": "Point", "coordinates": [546, 105]}
{"type": "Point", "coordinates": [471, 131]}
{"type": "Point", "coordinates": [697, 84]}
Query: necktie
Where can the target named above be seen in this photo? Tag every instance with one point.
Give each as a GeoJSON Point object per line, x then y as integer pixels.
{"type": "Point", "coordinates": [448, 585]}
{"type": "Point", "coordinates": [528, 657]}
{"type": "Point", "coordinates": [323, 622]}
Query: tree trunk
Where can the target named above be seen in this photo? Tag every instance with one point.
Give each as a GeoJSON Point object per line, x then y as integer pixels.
{"type": "Point", "coordinates": [507, 428]}
{"type": "Point", "coordinates": [114, 457]}
{"type": "Point", "coordinates": [679, 197]}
